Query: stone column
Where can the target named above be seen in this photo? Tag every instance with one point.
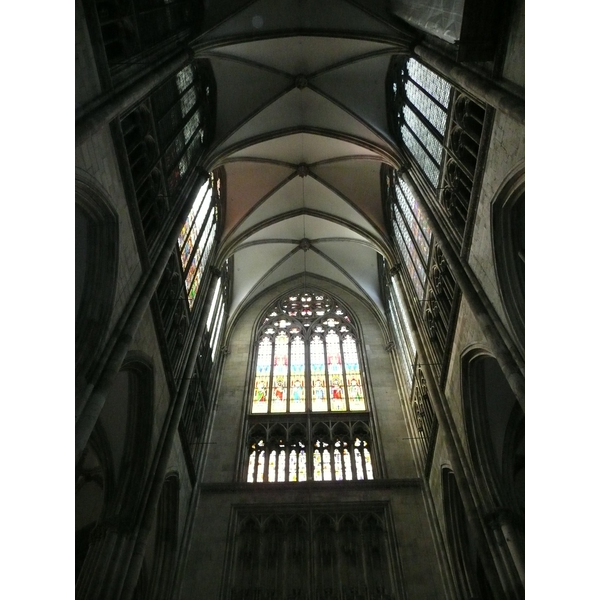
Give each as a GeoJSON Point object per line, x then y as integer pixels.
{"type": "Point", "coordinates": [102, 572]}
{"type": "Point", "coordinates": [120, 341]}
{"type": "Point", "coordinates": [163, 452]}
{"type": "Point", "coordinates": [114, 103]}
{"type": "Point", "coordinates": [493, 561]}
{"type": "Point", "coordinates": [501, 523]}
{"type": "Point", "coordinates": [480, 87]}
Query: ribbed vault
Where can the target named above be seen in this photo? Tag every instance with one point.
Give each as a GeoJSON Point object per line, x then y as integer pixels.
{"type": "Point", "coordinates": [301, 135]}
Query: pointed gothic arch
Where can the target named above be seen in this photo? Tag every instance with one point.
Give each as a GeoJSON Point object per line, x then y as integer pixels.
{"type": "Point", "coordinates": [495, 425]}
{"type": "Point", "coordinates": [308, 416]}
{"type": "Point", "coordinates": [508, 238]}
{"type": "Point", "coordinates": [96, 267]}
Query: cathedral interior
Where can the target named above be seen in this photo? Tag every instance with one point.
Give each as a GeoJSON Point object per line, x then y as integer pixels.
{"type": "Point", "coordinates": [300, 299]}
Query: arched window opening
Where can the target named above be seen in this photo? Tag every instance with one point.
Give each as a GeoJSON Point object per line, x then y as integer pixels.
{"type": "Point", "coordinates": [164, 137]}
{"type": "Point", "coordinates": [496, 427]}
{"type": "Point", "coordinates": [127, 420]}
{"type": "Point", "coordinates": [508, 233]}
{"type": "Point", "coordinates": [110, 471]}
{"type": "Point", "coordinates": [441, 127]}
{"type": "Point", "coordinates": [421, 100]}
{"type": "Point", "coordinates": [307, 358]}
{"type": "Point", "coordinates": [308, 370]}
{"type": "Point", "coordinates": [198, 235]}
{"type": "Point", "coordinates": [96, 267]}
{"type": "Point", "coordinates": [185, 278]}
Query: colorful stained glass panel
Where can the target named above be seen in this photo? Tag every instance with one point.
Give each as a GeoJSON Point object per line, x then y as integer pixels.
{"type": "Point", "coordinates": [347, 463]}
{"type": "Point", "coordinates": [261, 467]}
{"type": "Point", "coordinates": [251, 466]}
{"type": "Point", "coordinates": [297, 378]}
{"type": "Point", "coordinates": [368, 465]}
{"type": "Point", "coordinates": [263, 374]}
{"type": "Point", "coordinates": [353, 379]}
{"type": "Point", "coordinates": [318, 472]}
{"type": "Point", "coordinates": [334, 372]}
{"type": "Point", "coordinates": [317, 375]}
{"type": "Point", "coordinates": [280, 374]}
{"type": "Point", "coordinates": [337, 460]}
{"type": "Point", "coordinates": [293, 466]}
{"type": "Point", "coordinates": [281, 466]}
{"type": "Point", "coordinates": [302, 466]}
{"type": "Point", "coordinates": [272, 466]}
{"type": "Point", "coordinates": [326, 465]}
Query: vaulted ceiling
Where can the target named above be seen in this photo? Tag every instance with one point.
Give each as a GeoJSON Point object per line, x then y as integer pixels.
{"type": "Point", "coordinates": [301, 133]}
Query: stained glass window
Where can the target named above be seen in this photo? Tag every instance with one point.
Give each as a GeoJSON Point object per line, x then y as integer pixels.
{"type": "Point", "coordinates": [412, 234]}
{"type": "Point", "coordinates": [215, 319]}
{"type": "Point", "coordinates": [297, 401]}
{"type": "Point", "coordinates": [197, 237]}
{"type": "Point", "coordinates": [317, 374]}
{"type": "Point", "coordinates": [263, 375]}
{"type": "Point", "coordinates": [308, 367]}
{"type": "Point", "coordinates": [419, 104]}
{"type": "Point", "coordinates": [353, 379]}
{"type": "Point", "coordinates": [338, 454]}
{"type": "Point", "coordinates": [308, 341]}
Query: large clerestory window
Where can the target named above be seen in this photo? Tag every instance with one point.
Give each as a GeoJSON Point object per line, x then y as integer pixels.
{"type": "Point", "coordinates": [197, 236]}
{"type": "Point", "coordinates": [441, 127]}
{"type": "Point", "coordinates": [421, 102]}
{"type": "Point", "coordinates": [308, 371]}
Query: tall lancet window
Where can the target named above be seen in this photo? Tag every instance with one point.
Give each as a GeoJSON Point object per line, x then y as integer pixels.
{"type": "Point", "coordinates": [198, 235]}
{"type": "Point", "coordinates": [441, 128]}
{"type": "Point", "coordinates": [412, 234]}
{"type": "Point", "coordinates": [308, 369]}
{"type": "Point", "coordinates": [420, 101]}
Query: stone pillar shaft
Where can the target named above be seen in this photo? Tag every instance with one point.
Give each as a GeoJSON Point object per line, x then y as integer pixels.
{"type": "Point", "coordinates": [163, 452]}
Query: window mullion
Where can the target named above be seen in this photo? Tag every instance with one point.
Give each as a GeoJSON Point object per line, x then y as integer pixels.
{"type": "Point", "coordinates": [422, 144]}
{"type": "Point", "coordinates": [424, 91]}
{"type": "Point", "coordinates": [425, 121]}
{"type": "Point", "coordinates": [363, 460]}
{"type": "Point", "coordinates": [351, 452]}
